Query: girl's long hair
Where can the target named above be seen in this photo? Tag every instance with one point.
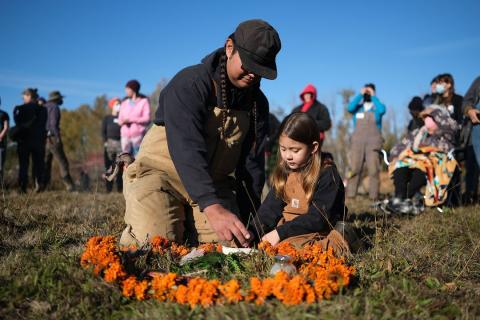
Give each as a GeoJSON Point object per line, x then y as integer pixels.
{"type": "Point", "coordinates": [300, 127]}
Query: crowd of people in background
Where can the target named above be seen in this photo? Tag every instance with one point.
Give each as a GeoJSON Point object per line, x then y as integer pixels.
{"type": "Point", "coordinates": [425, 165]}
{"type": "Point", "coordinates": [443, 126]}
{"type": "Point", "coordinates": [38, 136]}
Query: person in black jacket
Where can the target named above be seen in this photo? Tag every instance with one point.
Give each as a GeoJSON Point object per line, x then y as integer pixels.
{"type": "Point", "coordinates": [415, 107]}
{"type": "Point", "coordinates": [471, 109]}
{"type": "Point", "coordinates": [30, 120]}
{"type": "Point", "coordinates": [315, 109]}
{"type": "Point", "coordinates": [4, 125]}
{"type": "Point", "coordinates": [445, 87]}
{"type": "Point", "coordinates": [111, 142]}
{"type": "Point", "coordinates": [209, 117]}
{"type": "Point", "coordinates": [54, 145]}
{"type": "Point", "coordinates": [307, 196]}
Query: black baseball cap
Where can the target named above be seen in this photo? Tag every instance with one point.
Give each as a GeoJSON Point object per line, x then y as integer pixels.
{"type": "Point", "coordinates": [257, 43]}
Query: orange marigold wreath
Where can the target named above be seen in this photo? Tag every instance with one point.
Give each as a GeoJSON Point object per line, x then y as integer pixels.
{"type": "Point", "coordinates": [320, 275]}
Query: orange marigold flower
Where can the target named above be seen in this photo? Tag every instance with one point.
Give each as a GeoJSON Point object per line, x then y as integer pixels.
{"type": "Point", "coordinates": [194, 291]}
{"type": "Point", "coordinates": [231, 291]}
{"type": "Point", "coordinates": [261, 290]}
{"type": "Point", "coordinates": [163, 287]}
{"type": "Point", "coordinates": [140, 289]}
{"type": "Point", "coordinates": [181, 294]}
{"type": "Point", "coordinates": [159, 243]}
{"type": "Point", "coordinates": [285, 248]}
{"type": "Point", "coordinates": [114, 272]}
{"type": "Point", "coordinates": [209, 292]}
{"type": "Point", "coordinates": [178, 250]}
{"type": "Point", "coordinates": [209, 247]}
{"type": "Point", "coordinates": [255, 288]}
{"type": "Point", "coordinates": [267, 248]}
{"type": "Point", "coordinates": [128, 286]}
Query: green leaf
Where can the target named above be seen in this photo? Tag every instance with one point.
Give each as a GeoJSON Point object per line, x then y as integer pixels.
{"type": "Point", "coordinates": [424, 302]}
{"type": "Point", "coordinates": [432, 283]}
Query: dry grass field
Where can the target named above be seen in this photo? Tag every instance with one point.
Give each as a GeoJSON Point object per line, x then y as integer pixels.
{"type": "Point", "coordinates": [424, 267]}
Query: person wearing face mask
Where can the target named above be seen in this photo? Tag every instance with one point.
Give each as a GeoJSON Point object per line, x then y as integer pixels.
{"type": "Point", "coordinates": [422, 158]}
{"type": "Point", "coordinates": [111, 142]}
{"type": "Point", "coordinates": [210, 117]}
{"type": "Point", "coordinates": [367, 111]}
{"type": "Point", "coordinates": [443, 94]}
{"type": "Point", "coordinates": [445, 87]}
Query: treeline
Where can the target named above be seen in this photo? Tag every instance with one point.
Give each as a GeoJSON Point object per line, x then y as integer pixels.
{"type": "Point", "coordinates": [81, 128]}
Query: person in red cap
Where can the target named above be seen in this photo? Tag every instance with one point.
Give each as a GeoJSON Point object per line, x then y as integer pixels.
{"type": "Point", "coordinates": [314, 108]}
{"type": "Point", "coordinates": [133, 117]}
{"type": "Point", "coordinates": [210, 116]}
{"type": "Point", "coordinates": [111, 141]}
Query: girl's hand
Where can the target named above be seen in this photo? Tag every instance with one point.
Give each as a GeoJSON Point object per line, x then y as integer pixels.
{"type": "Point", "coordinates": [272, 237]}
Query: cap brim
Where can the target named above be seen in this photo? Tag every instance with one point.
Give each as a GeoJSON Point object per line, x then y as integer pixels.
{"type": "Point", "coordinates": [267, 71]}
{"type": "Point", "coordinates": [55, 98]}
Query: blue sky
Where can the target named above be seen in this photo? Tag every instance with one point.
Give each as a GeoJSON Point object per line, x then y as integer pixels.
{"type": "Point", "coordinates": [88, 48]}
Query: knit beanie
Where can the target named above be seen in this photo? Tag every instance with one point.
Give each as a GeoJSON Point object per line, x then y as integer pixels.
{"type": "Point", "coordinates": [416, 104]}
{"type": "Point", "coordinates": [134, 85]}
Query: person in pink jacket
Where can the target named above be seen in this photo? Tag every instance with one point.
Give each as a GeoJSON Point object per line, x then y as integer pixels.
{"type": "Point", "coordinates": [134, 118]}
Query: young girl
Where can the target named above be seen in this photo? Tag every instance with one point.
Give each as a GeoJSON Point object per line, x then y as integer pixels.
{"type": "Point", "coordinates": [307, 195]}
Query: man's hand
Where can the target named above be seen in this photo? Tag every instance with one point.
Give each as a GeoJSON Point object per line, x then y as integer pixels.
{"type": "Point", "coordinates": [473, 115]}
{"type": "Point", "coordinates": [226, 224]}
{"type": "Point", "coordinates": [272, 237]}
